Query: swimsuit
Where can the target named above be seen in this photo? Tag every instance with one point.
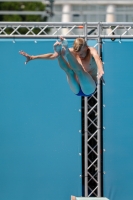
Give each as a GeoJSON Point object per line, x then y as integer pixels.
{"type": "Point", "coordinates": [82, 94]}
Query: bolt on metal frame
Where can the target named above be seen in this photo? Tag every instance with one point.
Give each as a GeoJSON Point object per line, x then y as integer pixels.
{"type": "Point", "coordinates": [92, 106]}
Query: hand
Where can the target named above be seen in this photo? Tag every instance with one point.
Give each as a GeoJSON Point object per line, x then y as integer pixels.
{"type": "Point", "coordinates": [28, 57]}
{"type": "Point", "coordinates": [100, 74]}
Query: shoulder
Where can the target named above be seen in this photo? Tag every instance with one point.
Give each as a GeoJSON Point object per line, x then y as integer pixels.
{"type": "Point", "coordinates": [72, 51]}
{"type": "Point", "coordinates": [93, 51]}
{"type": "Point", "coordinates": [95, 54]}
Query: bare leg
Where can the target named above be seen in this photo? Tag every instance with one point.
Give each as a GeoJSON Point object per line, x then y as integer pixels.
{"type": "Point", "coordinates": [71, 76]}
{"type": "Point", "coordinates": [86, 81]}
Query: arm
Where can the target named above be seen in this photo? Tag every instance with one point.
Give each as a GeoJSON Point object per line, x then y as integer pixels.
{"type": "Point", "coordinates": [49, 56]}
{"type": "Point", "coordinates": [98, 61]}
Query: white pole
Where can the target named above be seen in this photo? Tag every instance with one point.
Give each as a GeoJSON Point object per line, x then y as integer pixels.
{"type": "Point", "coordinates": [110, 15]}
{"type": "Point", "coordinates": [66, 16]}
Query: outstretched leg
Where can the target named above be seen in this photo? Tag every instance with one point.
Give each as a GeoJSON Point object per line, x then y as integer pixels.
{"type": "Point", "coordinates": [71, 76]}
{"type": "Point", "coordinates": [86, 82]}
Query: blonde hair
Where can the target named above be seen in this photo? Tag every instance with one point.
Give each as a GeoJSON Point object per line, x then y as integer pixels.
{"type": "Point", "coordinates": [78, 44]}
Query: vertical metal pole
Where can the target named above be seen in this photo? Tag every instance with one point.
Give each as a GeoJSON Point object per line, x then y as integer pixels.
{"type": "Point", "coordinates": [85, 135]}
{"type": "Point", "coordinates": [99, 121]}
{"type": "Point", "coordinates": [85, 147]}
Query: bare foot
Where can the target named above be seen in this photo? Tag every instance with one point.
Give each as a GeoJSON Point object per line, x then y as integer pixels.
{"type": "Point", "coordinates": [64, 43]}
{"type": "Point", "coordinates": [64, 46]}
{"type": "Point", "coordinates": [57, 48]}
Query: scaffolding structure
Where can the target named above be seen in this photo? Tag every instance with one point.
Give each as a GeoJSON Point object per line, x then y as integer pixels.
{"type": "Point", "coordinates": [91, 106]}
